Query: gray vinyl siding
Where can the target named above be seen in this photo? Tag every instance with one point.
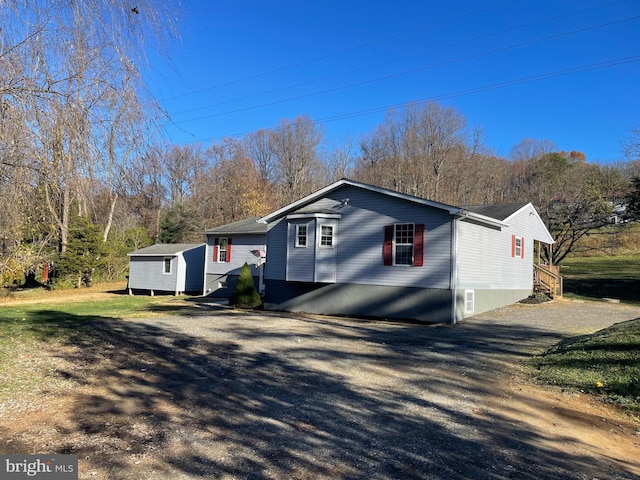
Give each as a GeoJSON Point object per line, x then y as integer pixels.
{"type": "Point", "coordinates": [276, 266]}
{"type": "Point", "coordinates": [484, 258]}
{"type": "Point", "coordinates": [241, 252]}
{"type": "Point", "coordinates": [360, 238]}
{"type": "Point", "coordinates": [220, 277]}
{"type": "Point", "coordinates": [193, 269]}
{"type": "Point", "coordinates": [147, 273]}
{"type": "Point", "coordinates": [301, 260]}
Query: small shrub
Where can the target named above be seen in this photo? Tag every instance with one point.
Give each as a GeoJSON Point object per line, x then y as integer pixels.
{"type": "Point", "coordinates": [245, 294]}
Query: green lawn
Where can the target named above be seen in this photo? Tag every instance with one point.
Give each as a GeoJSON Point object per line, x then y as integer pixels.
{"type": "Point", "coordinates": [606, 363]}
{"type": "Point", "coordinates": [603, 277]}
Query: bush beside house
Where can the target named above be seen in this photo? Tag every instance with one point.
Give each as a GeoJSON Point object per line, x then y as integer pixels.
{"type": "Point", "coordinates": [245, 294]}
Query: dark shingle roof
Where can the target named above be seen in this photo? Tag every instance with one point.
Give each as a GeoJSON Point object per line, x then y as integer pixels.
{"type": "Point", "coordinates": [499, 211]}
{"type": "Point", "coordinates": [248, 226]}
{"type": "Point", "coordinates": [166, 249]}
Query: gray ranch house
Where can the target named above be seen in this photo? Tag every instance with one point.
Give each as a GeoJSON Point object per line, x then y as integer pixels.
{"type": "Point", "coordinates": [356, 249]}
{"type": "Point", "coordinates": [228, 247]}
{"type": "Point", "coordinates": [176, 268]}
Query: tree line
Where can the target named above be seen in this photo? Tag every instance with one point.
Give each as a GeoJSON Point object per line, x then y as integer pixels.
{"type": "Point", "coordinates": [84, 177]}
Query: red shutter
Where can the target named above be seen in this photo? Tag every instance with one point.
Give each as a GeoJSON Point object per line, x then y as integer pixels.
{"type": "Point", "coordinates": [418, 246]}
{"type": "Point", "coordinates": [216, 242]}
{"type": "Point", "coordinates": [522, 247]}
{"type": "Point", "coordinates": [513, 245]}
{"type": "Point", "coordinates": [228, 250]}
{"type": "Point", "coordinates": [388, 245]}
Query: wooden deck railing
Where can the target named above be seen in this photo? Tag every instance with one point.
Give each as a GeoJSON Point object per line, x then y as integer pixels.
{"type": "Point", "coordinates": [547, 279]}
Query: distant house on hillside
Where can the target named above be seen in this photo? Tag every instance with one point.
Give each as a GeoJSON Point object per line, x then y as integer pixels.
{"type": "Point", "coordinates": [356, 249]}
{"type": "Point", "coordinates": [176, 268]}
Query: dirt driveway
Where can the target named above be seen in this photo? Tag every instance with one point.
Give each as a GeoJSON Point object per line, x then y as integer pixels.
{"type": "Point", "coordinates": [222, 394]}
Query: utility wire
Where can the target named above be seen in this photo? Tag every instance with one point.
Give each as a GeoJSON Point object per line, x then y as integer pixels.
{"type": "Point", "coordinates": [407, 72]}
{"type": "Point", "coordinates": [346, 50]}
{"type": "Point", "coordinates": [421, 53]}
{"type": "Point", "coordinates": [456, 94]}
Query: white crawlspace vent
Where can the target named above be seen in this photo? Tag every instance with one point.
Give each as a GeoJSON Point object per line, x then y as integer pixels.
{"type": "Point", "coordinates": [469, 301]}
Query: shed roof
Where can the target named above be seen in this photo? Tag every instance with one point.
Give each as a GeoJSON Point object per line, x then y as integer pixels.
{"type": "Point", "coordinates": [164, 249]}
{"type": "Point", "coordinates": [246, 226]}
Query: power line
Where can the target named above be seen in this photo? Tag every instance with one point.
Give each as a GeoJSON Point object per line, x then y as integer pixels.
{"type": "Point", "coordinates": [405, 57]}
{"type": "Point", "coordinates": [411, 71]}
{"type": "Point", "coordinates": [459, 93]}
{"type": "Point", "coordinates": [346, 50]}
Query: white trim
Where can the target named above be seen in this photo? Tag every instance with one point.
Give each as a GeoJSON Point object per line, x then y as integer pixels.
{"type": "Point", "coordinates": [164, 264]}
{"type": "Point", "coordinates": [333, 227]}
{"type": "Point", "coordinates": [395, 244]}
{"type": "Point", "coordinates": [297, 235]}
{"type": "Point", "coordinates": [297, 216]}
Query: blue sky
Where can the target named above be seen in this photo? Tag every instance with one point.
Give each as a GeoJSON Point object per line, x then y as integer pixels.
{"type": "Point", "coordinates": [566, 71]}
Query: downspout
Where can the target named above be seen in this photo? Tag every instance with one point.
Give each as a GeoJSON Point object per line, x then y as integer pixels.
{"type": "Point", "coordinates": [453, 281]}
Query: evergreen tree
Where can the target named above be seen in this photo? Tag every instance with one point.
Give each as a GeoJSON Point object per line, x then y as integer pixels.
{"type": "Point", "coordinates": [181, 224]}
{"type": "Point", "coordinates": [245, 294]}
{"type": "Point", "coordinates": [85, 252]}
{"type": "Point", "coordinates": [633, 199]}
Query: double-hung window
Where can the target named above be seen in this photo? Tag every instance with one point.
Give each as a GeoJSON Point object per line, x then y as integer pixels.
{"type": "Point", "coordinates": [404, 244]}
{"type": "Point", "coordinates": [326, 236]}
{"type": "Point", "coordinates": [517, 246]}
{"type": "Point", "coordinates": [222, 249]}
{"type": "Point", "coordinates": [301, 235]}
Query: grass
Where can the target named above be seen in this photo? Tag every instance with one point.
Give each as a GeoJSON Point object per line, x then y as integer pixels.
{"type": "Point", "coordinates": [606, 363]}
{"type": "Point", "coordinates": [603, 277]}
{"type": "Point", "coordinates": [30, 327]}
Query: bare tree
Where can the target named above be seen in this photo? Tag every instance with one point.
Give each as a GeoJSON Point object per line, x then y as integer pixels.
{"type": "Point", "coordinates": [530, 148]}
{"type": "Point", "coordinates": [298, 169]}
{"type": "Point", "coordinates": [417, 148]}
{"type": "Point", "coordinates": [63, 63]}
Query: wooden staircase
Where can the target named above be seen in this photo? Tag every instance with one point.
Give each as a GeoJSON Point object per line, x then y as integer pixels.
{"type": "Point", "coordinates": [547, 280]}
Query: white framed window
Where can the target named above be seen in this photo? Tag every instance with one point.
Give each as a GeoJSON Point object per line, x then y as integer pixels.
{"type": "Point", "coordinates": [326, 236]}
{"type": "Point", "coordinates": [403, 244]}
{"type": "Point", "coordinates": [517, 246]}
{"type": "Point", "coordinates": [301, 235]}
{"type": "Point", "coordinates": [166, 265]}
{"type": "Point", "coordinates": [469, 301]}
{"type": "Point", "coordinates": [223, 248]}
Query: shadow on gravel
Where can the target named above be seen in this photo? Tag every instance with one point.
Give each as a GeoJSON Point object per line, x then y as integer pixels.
{"type": "Point", "coordinates": [331, 399]}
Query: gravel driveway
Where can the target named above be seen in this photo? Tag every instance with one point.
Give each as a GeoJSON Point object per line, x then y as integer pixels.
{"type": "Point", "coordinates": [223, 394]}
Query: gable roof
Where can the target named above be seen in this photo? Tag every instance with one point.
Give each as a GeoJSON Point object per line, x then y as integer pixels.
{"type": "Point", "coordinates": [246, 226]}
{"type": "Point", "coordinates": [300, 204]}
{"type": "Point", "coordinates": [499, 211]}
{"type": "Point", "coordinates": [164, 249]}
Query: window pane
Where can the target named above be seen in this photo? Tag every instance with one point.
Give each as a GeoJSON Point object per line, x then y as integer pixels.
{"type": "Point", "coordinates": [404, 234]}
{"type": "Point", "coordinates": [404, 254]}
{"type": "Point", "coordinates": [326, 236]}
{"type": "Point", "coordinates": [301, 240]}
{"type": "Point", "coordinates": [404, 244]}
